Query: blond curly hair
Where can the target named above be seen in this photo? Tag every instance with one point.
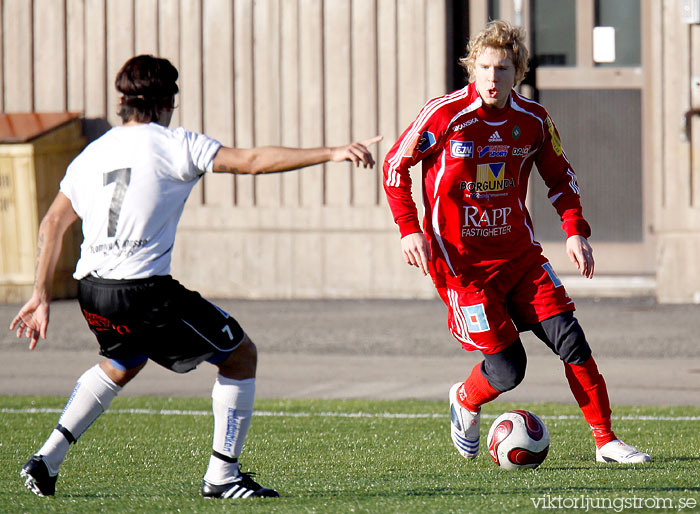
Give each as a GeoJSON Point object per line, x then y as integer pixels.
{"type": "Point", "coordinates": [502, 35]}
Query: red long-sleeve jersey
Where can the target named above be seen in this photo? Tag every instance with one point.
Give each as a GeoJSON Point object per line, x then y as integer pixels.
{"type": "Point", "coordinates": [476, 166]}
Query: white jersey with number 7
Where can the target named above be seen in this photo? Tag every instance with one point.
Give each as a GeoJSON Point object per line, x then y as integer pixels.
{"type": "Point", "coordinates": [129, 187]}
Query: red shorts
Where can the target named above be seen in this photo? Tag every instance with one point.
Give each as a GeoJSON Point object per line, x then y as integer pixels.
{"type": "Point", "coordinates": [484, 314]}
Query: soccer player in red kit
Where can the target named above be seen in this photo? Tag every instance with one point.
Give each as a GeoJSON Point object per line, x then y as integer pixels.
{"type": "Point", "coordinates": [478, 146]}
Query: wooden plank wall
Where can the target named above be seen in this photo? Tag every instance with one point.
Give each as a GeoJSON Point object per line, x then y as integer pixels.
{"type": "Point", "coordinates": [254, 72]}
{"type": "Point", "coordinates": [676, 59]}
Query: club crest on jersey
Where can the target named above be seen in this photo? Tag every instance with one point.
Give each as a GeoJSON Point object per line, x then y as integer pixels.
{"type": "Point", "coordinates": [462, 149]}
{"type": "Point", "coordinates": [489, 178]}
{"type": "Point", "coordinates": [426, 141]}
{"type": "Point", "coordinates": [495, 137]}
{"type": "Point", "coordinates": [516, 132]}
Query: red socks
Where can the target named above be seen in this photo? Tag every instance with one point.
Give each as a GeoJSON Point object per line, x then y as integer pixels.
{"type": "Point", "coordinates": [476, 391]}
{"type": "Point", "coordinates": [588, 387]}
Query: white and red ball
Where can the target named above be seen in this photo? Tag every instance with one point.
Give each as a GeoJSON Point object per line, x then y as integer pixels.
{"type": "Point", "coordinates": [517, 440]}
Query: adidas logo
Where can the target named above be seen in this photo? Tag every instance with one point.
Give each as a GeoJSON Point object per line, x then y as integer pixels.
{"type": "Point", "coordinates": [495, 137]}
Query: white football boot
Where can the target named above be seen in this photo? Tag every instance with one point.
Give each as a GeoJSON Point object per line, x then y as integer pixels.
{"type": "Point", "coordinates": [620, 452]}
{"type": "Point", "coordinates": [464, 426]}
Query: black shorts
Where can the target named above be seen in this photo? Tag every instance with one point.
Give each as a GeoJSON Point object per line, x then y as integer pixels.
{"type": "Point", "coordinates": [157, 318]}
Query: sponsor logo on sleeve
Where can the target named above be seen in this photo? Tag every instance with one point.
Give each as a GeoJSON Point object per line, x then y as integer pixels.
{"type": "Point", "coordinates": [426, 141]}
{"type": "Point", "coordinates": [556, 142]}
{"type": "Point", "coordinates": [462, 149]}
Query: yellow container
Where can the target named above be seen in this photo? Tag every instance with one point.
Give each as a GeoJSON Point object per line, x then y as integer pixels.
{"type": "Point", "coordinates": [35, 150]}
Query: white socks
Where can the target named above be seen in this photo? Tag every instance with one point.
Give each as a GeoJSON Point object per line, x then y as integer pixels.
{"type": "Point", "coordinates": [232, 402]}
{"type": "Point", "coordinates": [92, 395]}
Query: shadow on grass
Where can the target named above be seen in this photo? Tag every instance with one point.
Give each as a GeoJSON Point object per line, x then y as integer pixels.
{"type": "Point", "coordinates": [675, 459]}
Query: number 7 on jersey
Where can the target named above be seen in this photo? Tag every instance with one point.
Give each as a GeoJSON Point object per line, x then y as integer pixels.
{"type": "Point", "coordinates": [121, 177]}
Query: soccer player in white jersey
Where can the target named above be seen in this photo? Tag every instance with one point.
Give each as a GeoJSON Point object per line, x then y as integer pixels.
{"type": "Point", "coordinates": [129, 188]}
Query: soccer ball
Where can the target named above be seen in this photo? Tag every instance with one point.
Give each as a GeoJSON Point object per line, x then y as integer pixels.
{"type": "Point", "coordinates": [518, 439]}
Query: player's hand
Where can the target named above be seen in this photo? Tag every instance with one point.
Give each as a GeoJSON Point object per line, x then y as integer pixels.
{"type": "Point", "coordinates": [32, 321]}
{"type": "Point", "coordinates": [581, 254]}
{"type": "Point", "coordinates": [416, 251]}
{"type": "Point", "coordinates": [356, 152]}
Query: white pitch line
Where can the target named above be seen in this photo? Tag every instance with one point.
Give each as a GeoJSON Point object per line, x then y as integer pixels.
{"type": "Point", "coordinates": [385, 415]}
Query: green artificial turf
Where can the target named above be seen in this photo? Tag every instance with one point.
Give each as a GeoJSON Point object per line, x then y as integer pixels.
{"type": "Point", "coordinates": [149, 455]}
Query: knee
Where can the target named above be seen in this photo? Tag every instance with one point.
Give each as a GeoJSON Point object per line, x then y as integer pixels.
{"type": "Point", "coordinates": [242, 362]}
{"type": "Point", "coordinates": [509, 377]}
{"type": "Point", "coordinates": [506, 370]}
{"type": "Point", "coordinates": [120, 377]}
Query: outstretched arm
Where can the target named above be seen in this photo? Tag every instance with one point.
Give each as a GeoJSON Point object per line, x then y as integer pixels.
{"type": "Point", "coordinates": [277, 159]}
{"type": "Point", "coordinates": [32, 319]}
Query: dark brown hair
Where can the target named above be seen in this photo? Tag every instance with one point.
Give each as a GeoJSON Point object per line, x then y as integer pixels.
{"type": "Point", "coordinates": [148, 85]}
